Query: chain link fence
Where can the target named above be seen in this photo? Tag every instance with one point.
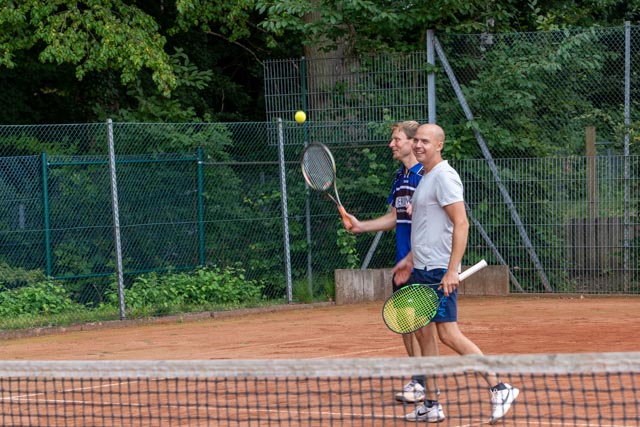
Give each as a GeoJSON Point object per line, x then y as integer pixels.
{"type": "Point", "coordinates": [211, 194]}
{"type": "Point", "coordinates": [524, 103]}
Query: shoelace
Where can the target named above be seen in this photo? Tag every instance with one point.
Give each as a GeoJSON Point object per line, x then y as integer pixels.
{"type": "Point", "coordinates": [410, 386]}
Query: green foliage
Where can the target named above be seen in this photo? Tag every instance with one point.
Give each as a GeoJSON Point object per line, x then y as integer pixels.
{"type": "Point", "coordinates": [232, 19]}
{"type": "Point", "coordinates": [11, 276]}
{"type": "Point", "coordinates": [153, 294]}
{"type": "Point", "coordinates": [20, 145]}
{"type": "Point", "coordinates": [347, 247]}
{"type": "Point", "coordinates": [155, 106]}
{"type": "Point", "coordinates": [92, 35]}
{"type": "Point", "coordinates": [301, 291]}
{"type": "Point", "coordinates": [517, 107]}
{"type": "Point", "coordinates": [40, 298]}
{"type": "Point", "coordinates": [377, 26]}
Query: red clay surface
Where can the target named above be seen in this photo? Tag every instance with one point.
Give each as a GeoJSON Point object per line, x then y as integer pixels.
{"type": "Point", "coordinates": [505, 325]}
{"type": "Point", "coordinates": [508, 325]}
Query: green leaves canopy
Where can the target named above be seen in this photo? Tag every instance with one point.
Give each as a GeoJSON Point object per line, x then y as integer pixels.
{"type": "Point", "coordinates": [92, 34]}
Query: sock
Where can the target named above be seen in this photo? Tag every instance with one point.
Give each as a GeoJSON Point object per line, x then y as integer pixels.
{"type": "Point", "coordinates": [499, 386]}
{"type": "Point", "coordinates": [429, 403]}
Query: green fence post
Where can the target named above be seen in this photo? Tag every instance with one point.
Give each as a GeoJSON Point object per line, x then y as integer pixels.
{"type": "Point", "coordinates": [307, 208]}
{"type": "Point", "coordinates": [46, 213]}
{"type": "Point", "coordinates": [200, 206]}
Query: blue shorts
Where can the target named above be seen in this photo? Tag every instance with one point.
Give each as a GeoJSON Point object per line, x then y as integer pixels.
{"type": "Point", "coordinates": [448, 310]}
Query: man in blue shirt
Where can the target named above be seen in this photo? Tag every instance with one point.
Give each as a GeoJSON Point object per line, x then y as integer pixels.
{"type": "Point", "coordinates": [406, 180]}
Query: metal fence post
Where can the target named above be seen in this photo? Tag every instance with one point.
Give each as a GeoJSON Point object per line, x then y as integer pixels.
{"type": "Point", "coordinates": [307, 207]}
{"type": "Point", "coordinates": [627, 122]}
{"type": "Point", "coordinates": [285, 212]}
{"type": "Point", "coordinates": [200, 207]}
{"type": "Point", "coordinates": [116, 217]}
{"type": "Point", "coordinates": [431, 78]}
{"type": "Point", "coordinates": [46, 213]}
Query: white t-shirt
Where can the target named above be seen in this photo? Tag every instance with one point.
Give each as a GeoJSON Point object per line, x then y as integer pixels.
{"type": "Point", "coordinates": [432, 230]}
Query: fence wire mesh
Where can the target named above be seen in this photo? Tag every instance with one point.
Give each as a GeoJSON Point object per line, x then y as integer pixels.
{"type": "Point", "coordinates": [210, 194]}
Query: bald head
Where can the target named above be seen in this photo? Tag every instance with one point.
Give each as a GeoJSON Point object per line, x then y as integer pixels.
{"type": "Point", "coordinates": [436, 132]}
{"type": "Point", "coordinates": [427, 145]}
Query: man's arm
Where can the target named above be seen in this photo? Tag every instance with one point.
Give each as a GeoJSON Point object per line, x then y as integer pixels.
{"type": "Point", "coordinates": [458, 216]}
{"type": "Point", "coordinates": [382, 223]}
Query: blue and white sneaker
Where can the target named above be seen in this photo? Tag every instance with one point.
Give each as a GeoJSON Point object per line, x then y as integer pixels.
{"type": "Point", "coordinates": [501, 399]}
{"type": "Point", "coordinates": [432, 414]}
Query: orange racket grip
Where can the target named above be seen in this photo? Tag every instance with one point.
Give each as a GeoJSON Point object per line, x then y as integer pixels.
{"type": "Point", "coordinates": [345, 218]}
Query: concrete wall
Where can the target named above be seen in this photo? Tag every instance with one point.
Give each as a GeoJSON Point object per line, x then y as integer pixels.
{"type": "Point", "coordinates": [353, 286]}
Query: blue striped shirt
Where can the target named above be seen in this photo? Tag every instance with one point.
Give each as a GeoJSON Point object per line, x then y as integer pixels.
{"type": "Point", "coordinates": [404, 185]}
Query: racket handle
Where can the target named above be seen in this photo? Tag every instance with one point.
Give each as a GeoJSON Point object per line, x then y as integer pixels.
{"type": "Point", "coordinates": [345, 218]}
{"type": "Point", "coordinates": [473, 269]}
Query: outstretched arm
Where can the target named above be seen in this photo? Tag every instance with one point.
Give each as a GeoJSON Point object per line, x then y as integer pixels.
{"type": "Point", "coordinates": [382, 223]}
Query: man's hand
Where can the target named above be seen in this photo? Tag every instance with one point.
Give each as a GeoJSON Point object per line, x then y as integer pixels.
{"type": "Point", "coordinates": [450, 282]}
{"type": "Point", "coordinates": [354, 227]}
{"type": "Point", "coordinates": [402, 270]}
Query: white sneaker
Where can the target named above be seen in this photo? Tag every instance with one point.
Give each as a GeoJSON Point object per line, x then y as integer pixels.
{"type": "Point", "coordinates": [501, 401]}
{"type": "Point", "coordinates": [411, 393]}
{"type": "Point", "coordinates": [434, 414]}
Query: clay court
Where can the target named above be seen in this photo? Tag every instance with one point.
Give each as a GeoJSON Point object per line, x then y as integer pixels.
{"type": "Point", "coordinates": [499, 325]}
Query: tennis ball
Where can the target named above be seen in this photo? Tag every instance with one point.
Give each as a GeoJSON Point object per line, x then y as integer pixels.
{"type": "Point", "coordinates": [300, 116]}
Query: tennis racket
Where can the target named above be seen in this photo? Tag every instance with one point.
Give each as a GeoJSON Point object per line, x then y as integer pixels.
{"type": "Point", "coordinates": [414, 306]}
{"type": "Point", "coordinates": [319, 170]}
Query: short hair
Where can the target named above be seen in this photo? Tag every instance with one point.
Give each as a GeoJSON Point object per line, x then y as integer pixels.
{"type": "Point", "coordinates": [409, 127]}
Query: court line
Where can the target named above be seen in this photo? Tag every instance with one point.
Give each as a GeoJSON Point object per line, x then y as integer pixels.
{"type": "Point", "coordinates": [29, 395]}
{"type": "Point", "coordinates": [377, 350]}
{"type": "Point", "coordinates": [271, 344]}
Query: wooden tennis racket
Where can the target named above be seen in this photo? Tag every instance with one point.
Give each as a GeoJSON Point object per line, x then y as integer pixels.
{"type": "Point", "coordinates": [319, 171]}
{"type": "Point", "coordinates": [414, 306]}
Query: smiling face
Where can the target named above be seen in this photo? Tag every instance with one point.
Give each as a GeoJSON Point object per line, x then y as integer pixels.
{"type": "Point", "coordinates": [400, 145]}
{"type": "Point", "coordinates": [427, 145]}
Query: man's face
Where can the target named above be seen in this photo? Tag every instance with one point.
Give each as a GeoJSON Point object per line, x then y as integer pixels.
{"type": "Point", "coordinates": [400, 145]}
{"type": "Point", "coordinates": [426, 145]}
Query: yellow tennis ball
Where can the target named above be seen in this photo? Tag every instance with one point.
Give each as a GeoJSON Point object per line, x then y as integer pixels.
{"type": "Point", "coordinates": [300, 116]}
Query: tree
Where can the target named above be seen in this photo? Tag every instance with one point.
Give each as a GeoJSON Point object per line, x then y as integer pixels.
{"type": "Point", "coordinates": [75, 61]}
{"type": "Point", "coordinates": [65, 60]}
{"type": "Point", "coordinates": [92, 35]}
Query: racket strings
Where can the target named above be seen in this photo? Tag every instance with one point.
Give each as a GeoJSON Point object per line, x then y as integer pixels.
{"type": "Point", "coordinates": [410, 308]}
{"type": "Point", "coordinates": [318, 168]}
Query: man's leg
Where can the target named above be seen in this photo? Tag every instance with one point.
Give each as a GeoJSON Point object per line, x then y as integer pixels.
{"type": "Point", "coordinates": [502, 394]}
{"type": "Point", "coordinates": [430, 410]}
{"type": "Point", "coordinates": [414, 390]}
{"type": "Point", "coordinates": [411, 345]}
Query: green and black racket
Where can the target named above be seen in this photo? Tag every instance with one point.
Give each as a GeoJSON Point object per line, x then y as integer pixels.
{"type": "Point", "coordinates": [414, 306]}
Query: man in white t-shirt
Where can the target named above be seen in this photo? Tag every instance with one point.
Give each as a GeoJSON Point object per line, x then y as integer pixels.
{"type": "Point", "coordinates": [438, 241]}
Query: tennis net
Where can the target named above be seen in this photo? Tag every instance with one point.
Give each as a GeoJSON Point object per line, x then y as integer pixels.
{"type": "Point", "coordinates": [591, 389]}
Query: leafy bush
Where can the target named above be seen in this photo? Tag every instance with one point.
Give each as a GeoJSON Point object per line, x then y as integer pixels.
{"type": "Point", "coordinates": [12, 277]}
{"type": "Point", "coordinates": [39, 298]}
{"type": "Point", "coordinates": [206, 287]}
